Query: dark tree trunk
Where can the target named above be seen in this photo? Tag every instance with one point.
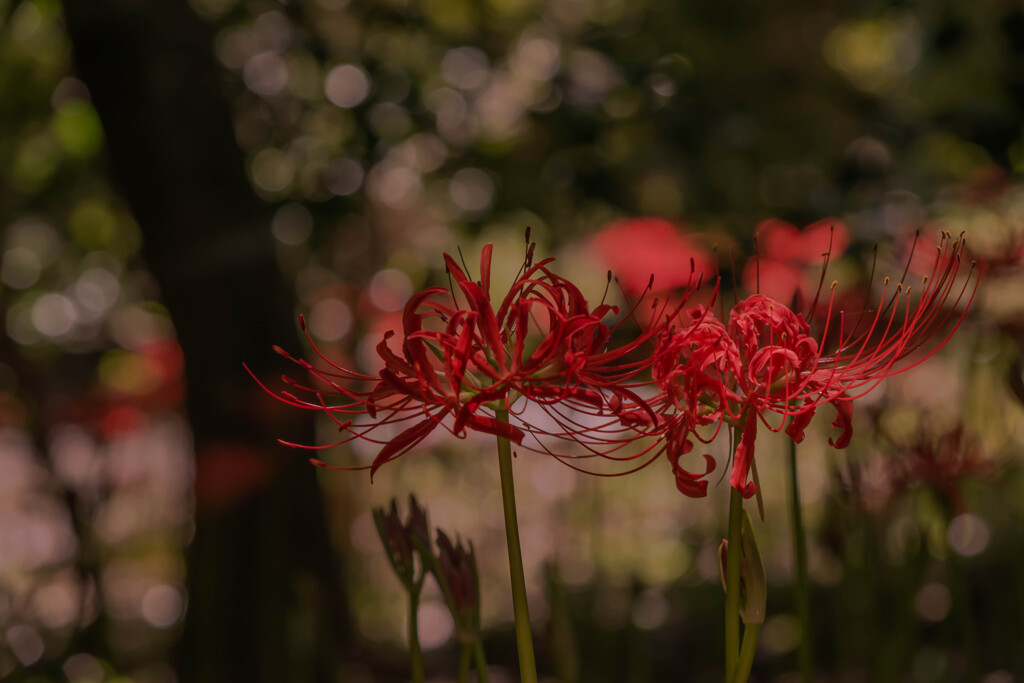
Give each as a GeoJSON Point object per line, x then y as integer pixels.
{"type": "Point", "coordinates": [261, 568]}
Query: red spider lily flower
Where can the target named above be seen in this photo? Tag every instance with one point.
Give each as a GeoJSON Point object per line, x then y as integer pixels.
{"type": "Point", "coordinates": [778, 366]}
{"type": "Point", "coordinates": [465, 357]}
{"type": "Point", "coordinates": [697, 369]}
{"type": "Point", "coordinates": [786, 256]}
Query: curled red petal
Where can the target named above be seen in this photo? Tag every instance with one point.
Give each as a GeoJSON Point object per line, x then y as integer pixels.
{"type": "Point", "coordinates": [798, 423]}
{"type": "Point", "coordinates": [689, 483]}
{"type": "Point", "coordinates": [844, 420]}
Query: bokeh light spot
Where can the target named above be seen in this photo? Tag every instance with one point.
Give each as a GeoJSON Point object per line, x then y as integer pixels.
{"type": "Point", "coordinates": [471, 189]}
{"type": "Point", "coordinates": [465, 67]}
{"type": "Point", "coordinates": [780, 634]}
{"type": "Point", "coordinates": [25, 643]}
{"type": "Point", "coordinates": [390, 121]}
{"type": "Point", "coordinates": [78, 129]}
{"type": "Point", "coordinates": [650, 610]}
{"type": "Point", "coordinates": [53, 315]}
{"type": "Point", "coordinates": [21, 268]}
{"type": "Point", "coordinates": [134, 326]}
{"type": "Point", "coordinates": [537, 58]}
{"type": "Point", "coordinates": [343, 177]}
{"type": "Point", "coordinates": [24, 21]}
{"type": "Point", "coordinates": [162, 606]}
{"type": "Point", "coordinates": [933, 602]}
{"type": "Point", "coordinates": [292, 224]}
{"type": "Point", "coordinates": [37, 235]}
{"type": "Point", "coordinates": [265, 74]}
{"type": "Point", "coordinates": [1000, 676]}
{"type": "Point", "coordinates": [929, 664]}
{"type": "Point", "coordinates": [330, 319]}
{"type": "Point", "coordinates": [127, 372]}
{"type": "Point", "coordinates": [395, 186]}
{"type": "Point", "coordinates": [273, 170]}
{"type": "Point", "coordinates": [95, 291]}
{"type": "Point", "coordinates": [346, 86]}
{"type": "Point", "coordinates": [660, 194]}
{"type": "Point", "coordinates": [390, 289]}
{"type": "Point", "coordinates": [83, 668]}
{"type": "Point", "coordinates": [967, 535]}
{"type": "Point", "coordinates": [93, 223]}
{"type": "Point", "coordinates": [435, 624]}
{"type": "Point", "coordinates": [57, 602]}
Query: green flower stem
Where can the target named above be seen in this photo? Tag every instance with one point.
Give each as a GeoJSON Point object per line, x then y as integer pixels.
{"type": "Point", "coordinates": [732, 586]}
{"type": "Point", "coordinates": [465, 656]}
{"type": "Point", "coordinates": [805, 653]}
{"type": "Point", "coordinates": [480, 661]}
{"type": "Point", "coordinates": [524, 637]}
{"type": "Point", "coordinates": [751, 632]}
{"type": "Point", "coordinates": [415, 652]}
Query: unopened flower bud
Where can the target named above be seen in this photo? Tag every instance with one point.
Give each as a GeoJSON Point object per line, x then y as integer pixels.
{"type": "Point", "coordinates": [403, 540]}
{"type": "Point", "coordinates": [457, 575]}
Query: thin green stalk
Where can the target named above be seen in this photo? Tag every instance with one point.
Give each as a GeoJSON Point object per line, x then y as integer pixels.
{"type": "Point", "coordinates": [524, 637]}
{"type": "Point", "coordinates": [805, 653]}
{"type": "Point", "coordinates": [732, 586]}
{"type": "Point", "coordinates": [480, 661]}
{"type": "Point", "coordinates": [465, 656]}
{"type": "Point", "coordinates": [415, 652]}
{"type": "Point", "coordinates": [750, 635]}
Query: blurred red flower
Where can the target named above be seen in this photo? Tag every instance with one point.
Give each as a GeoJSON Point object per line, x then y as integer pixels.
{"type": "Point", "coordinates": [787, 258]}
{"type": "Point", "coordinates": [637, 248]}
{"type": "Point", "coordinates": [654, 255]}
{"type": "Point", "coordinates": [941, 463]}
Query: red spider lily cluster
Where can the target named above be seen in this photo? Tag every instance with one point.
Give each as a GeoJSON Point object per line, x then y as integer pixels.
{"type": "Point", "coordinates": [767, 361]}
{"type": "Point", "coordinates": [470, 362]}
{"type": "Point", "coordinates": [544, 370]}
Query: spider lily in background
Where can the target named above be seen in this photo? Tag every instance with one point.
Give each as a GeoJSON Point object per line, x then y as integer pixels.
{"type": "Point", "coordinates": [942, 463]}
{"type": "Point", "coordinates": [770, 361]}
{"type": "Point", "coordinates": [787, 257]}
{"type": "Point", "coordinates": [641, 248]}
{"type": "Point", "coordinates": [636, 248]}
